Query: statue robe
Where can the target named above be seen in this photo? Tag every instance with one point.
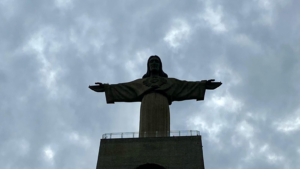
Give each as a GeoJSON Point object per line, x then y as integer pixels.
{"type": "Point", "coordinates": [156, 94]}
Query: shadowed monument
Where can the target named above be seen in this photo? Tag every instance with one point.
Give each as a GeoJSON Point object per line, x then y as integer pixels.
{"type": "Point", "coordinates": [156, 91]}
{"type": "Point", "coordinates": [154, 148]}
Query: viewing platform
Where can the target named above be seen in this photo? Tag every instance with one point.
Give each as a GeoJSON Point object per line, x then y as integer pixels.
{"type": "Point", "coordinates": [181, 149]}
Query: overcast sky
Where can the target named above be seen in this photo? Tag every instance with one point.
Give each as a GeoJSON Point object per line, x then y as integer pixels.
{"type": "Point", "coordinates": [51, 51]}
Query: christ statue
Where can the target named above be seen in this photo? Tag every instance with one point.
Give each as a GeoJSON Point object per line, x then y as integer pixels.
{"type": "Point", "coordinates": [156, 91]}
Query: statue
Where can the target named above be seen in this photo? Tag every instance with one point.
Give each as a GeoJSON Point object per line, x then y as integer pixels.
{"type": "Point", "coordinates": [156, 91]}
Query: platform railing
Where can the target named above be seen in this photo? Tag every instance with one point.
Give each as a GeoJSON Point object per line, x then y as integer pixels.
{"type": "Point", "coordinates": [177, 133]}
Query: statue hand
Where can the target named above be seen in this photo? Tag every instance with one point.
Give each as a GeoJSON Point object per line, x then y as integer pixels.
{"type": "Point", "coordinates": [97, 88]}
{"type": "Point", "coordinates": [210, 84]}
{"type": "Point", "coordinates": [98, 83]}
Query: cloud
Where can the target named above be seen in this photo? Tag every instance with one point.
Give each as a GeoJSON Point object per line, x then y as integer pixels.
{"type": "Point", "coordinates": [52, 50]}
{"type": "Point", "coordinates": [177, 34]}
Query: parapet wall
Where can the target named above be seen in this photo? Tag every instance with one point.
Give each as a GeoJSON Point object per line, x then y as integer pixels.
{"type": "Point", "coordinates": [169, 152]}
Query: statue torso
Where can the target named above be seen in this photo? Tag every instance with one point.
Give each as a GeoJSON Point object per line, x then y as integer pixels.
{"type": "Point", "coordinates": [154, 82]}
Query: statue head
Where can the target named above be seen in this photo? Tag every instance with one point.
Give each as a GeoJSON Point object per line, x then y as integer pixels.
{"type": "Point", "coordinates": [154, 65]}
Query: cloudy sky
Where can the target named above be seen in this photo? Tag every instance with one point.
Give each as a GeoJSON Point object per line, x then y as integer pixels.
{"type": "Point", "coordinates": [51, 50]}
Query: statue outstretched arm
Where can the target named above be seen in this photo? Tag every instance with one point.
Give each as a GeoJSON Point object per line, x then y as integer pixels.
{"type": "Point", "coordinates": [122, 92]}
{"type": "Point", "coordinates": [186, 90]}
{"type": "Point", "coordinates": [97, 88]}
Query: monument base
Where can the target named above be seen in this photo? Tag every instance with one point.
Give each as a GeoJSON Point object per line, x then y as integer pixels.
{"type": "Point", "coordinates": [137, 153]}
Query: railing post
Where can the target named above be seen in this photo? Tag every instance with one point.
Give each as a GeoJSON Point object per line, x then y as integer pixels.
{"type": "Point", "coordinates": [156, 134]}
{"type": "Point", "coordinates": [133, 135]}
{"type": "Point", "coordinates": [191, 132]}
{"type": "Point", "coordinates": [121, 135]}
{"type": "Point", "coordinates": [110, 135]}
{"type": "Point", "coordinates": [179, 133]}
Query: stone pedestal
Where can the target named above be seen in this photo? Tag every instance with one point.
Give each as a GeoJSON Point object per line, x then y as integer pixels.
{"type": "Point", "coordinates": [168, 152]}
